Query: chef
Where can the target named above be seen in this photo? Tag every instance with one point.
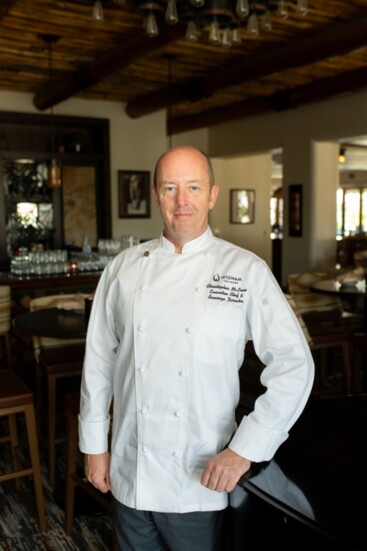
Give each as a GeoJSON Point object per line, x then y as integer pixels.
{"type": "Point", "coordinates": [166, 337]}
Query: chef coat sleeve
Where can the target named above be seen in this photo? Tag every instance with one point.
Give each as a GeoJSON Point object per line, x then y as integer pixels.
{"type": "Point", "coordinates": [288, 374]}
{"type": "Point", "coordinates": [98, 371]}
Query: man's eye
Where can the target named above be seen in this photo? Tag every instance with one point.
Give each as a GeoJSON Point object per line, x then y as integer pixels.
{"type": "Point", "coordinates": [195, 189]}
{"type": "Point", "coordinates": [169, 190]}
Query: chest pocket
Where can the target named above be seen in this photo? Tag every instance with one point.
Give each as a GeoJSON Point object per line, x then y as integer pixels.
{"type": "Point", "coordinates": [221, 335]}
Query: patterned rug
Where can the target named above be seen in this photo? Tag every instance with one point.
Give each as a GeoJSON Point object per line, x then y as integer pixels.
{"type": "Point", "coordinates": [19, 531]}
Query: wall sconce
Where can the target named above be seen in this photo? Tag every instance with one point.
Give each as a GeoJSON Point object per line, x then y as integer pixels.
{"type": "Point", "coordinates": [342, 157]}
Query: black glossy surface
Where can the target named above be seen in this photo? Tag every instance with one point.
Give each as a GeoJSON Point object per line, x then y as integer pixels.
{"type": "Point", "coordinates": [316, 484]}
{"type": "Point", "coordinates": [52, 322]}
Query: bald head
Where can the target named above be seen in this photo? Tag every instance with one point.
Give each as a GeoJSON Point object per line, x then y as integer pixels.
{"type": "Point", "coordinates": [185, 148]}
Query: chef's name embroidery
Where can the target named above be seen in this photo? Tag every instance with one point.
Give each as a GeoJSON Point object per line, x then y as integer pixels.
{"type": "Point", "coordinates": [226, 289]}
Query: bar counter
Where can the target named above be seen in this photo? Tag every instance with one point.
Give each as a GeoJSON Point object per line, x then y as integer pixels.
{"type": "Point", "coordinates": [71, 279]}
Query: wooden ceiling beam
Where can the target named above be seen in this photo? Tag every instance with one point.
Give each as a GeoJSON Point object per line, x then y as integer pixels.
{"type": "Point", "coordinates": [286, 100]}
{"type": "Point", "coordinates": [338, 40]}
{"type": "Point", "coordinates": [87, 75]}
{"type": "Point", "coordinates": [6, 5]}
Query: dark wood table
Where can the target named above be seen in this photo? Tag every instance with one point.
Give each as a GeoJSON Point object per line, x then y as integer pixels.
{"type": "Point", "coordinates": [53, 323]}
{"type": "Point", "coordinates": [310, 494]}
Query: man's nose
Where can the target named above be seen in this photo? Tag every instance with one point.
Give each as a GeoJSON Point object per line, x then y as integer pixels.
{"type": "Point", "coordinates": [181, 196]}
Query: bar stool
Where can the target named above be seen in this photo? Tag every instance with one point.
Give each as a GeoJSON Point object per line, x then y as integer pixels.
{"type": "Point", "coordinates": [53, 365]}
{"type": "Point", "coordinates": [73, 478]}
{"type": "Point", "coordinates": [5, 320]}
{"type": "Point", "coordinates": [15, 398]}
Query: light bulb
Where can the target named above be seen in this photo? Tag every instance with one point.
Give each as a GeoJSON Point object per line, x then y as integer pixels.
{"type": "Point", "coordinates": [266, 21]}
{"type": "Point", "coordinates": [197, 3]}
{"type": "Point", "coordinates": [192, 32]}
{"type": "Point", "coordinates": [236, 36]}
{"type": "Point", "coordinates": [252, 25]}
{"type": "Point", "coordinates": [282, 9]}
{"type": "Point", "coordinates": [151, 25]}
{"type": "Point", "coordinates": [302, 7]}
{"type": "Point", "coordinates": [171, 13]}
{"type": "Point", "coordinates": [242, 8]}
{"type": "Point", "coordinates": [98, 14]}
{"type": "Point", "coordinates": [227, 37]}
{"type": "Point", "coordinates": [214, 32]}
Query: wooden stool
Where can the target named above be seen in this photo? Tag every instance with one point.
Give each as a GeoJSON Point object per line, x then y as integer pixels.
{"type": "Point", "coordinates": [5, 320]}
{"type": "Point", "coordinates": [360, 363]}
{"type": "Point", "coordinates": [54, 364]}
{"type": "Point", "coordinates": [15, 397]}
{"type": "Point", "coordinates": [72, 477]}
{"type": "Point", "coordinates": [336, 340]}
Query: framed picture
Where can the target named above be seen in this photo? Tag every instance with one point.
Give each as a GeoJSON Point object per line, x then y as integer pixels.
{"type": "Point", "coordinates": [134, 193]}
{"type": "Point", "coordinates": [242, 210]}
{"type": "Point", "coordinates": [295, 210]}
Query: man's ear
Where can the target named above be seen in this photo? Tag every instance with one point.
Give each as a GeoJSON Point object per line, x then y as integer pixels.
{"type": "Point", "coordinates": [213, 195]}
{"type": "Point", "coordinates": [155, 195]}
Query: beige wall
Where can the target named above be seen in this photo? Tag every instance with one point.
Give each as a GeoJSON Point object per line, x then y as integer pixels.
{"type": "Point", "coordinates": [252, 172]}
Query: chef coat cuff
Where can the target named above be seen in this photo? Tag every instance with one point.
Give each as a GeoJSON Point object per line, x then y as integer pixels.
{"type": "Point", "coordinates": [93, 437]}
{"type": "Point", "coordinates": [256, 442]}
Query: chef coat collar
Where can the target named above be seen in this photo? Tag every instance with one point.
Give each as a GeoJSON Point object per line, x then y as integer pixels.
{"type": "Point", "coordinates": [193, 245]}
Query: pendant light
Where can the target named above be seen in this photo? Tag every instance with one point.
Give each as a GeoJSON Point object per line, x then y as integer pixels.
{"type": "Point", "coordinates": [53, 169]}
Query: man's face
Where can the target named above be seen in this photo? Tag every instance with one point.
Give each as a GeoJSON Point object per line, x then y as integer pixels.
{"type": "Point", "coordinates": [183, 194]}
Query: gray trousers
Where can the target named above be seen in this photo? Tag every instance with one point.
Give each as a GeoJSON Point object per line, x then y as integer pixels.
{"type": "Point", "coordinates": [151, 531]}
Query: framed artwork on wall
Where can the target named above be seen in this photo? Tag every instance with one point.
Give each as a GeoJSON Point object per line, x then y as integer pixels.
{"type": "Point", "coordinates": [295, 210]}
{"type": "Point", "coordinates": [242, 206]}
{"type": "Point", "coordinates": [134, 193]}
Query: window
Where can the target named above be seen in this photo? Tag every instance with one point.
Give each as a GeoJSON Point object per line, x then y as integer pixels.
{"type": "Point", "coordinates": [351, 211]}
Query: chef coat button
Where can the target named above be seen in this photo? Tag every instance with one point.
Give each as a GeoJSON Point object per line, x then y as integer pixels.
{"type": "Point", "coordinates": [141, 369]}
{"type": "Point", "coordinates": [143, 411]}
{"type": "Point", "coordinates": [188, 330]}
{"type": "Point", "coordinates": [175, 454]}
{"type": "Point", "coordinates": [143, 288]}
{"type": "Point", "coordinates": [178, 414]}
{"type": "Point", "coordinates": [140, 328]}
{"type": "Point", "coordinates": [197, 289]}
{"type": "Point", "coordinates": [182, 373]}
{"type": "Point", "coordinates": [146, 253]}
{"type": "Point", "coordinates": [144, 450]}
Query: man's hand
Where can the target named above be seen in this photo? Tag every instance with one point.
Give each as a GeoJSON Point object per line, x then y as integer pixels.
{"type": "Point", "coordinates": [97, 470]}
{"type": "Point", "coordinates": [224, 471]}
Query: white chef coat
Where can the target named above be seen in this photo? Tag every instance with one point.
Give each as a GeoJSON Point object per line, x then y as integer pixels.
{"type": "Point", "coordinates": [166, 339]}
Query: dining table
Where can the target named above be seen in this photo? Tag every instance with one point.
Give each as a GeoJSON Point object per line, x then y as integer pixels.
{"type": "Point", "coordinates": [53, 323]}
{"type": "Point", "coordinates": [334, 287]}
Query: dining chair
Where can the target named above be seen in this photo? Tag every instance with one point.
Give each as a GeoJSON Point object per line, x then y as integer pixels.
{"type": "Point", "coordinates": [16, 398]}
{"type": "Point", "coordinates": [5, 320]}
{"type": "Point", "coordinates": [323, 340]}
{"type": "Point", "coordinates": [56, 360]}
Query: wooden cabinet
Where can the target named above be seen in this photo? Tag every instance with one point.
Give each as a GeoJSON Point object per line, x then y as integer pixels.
{"type": "Point", "coordinates": [81, 146]}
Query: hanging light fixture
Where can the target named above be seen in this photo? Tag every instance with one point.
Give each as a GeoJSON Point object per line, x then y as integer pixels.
{"type": "Point", "coordinates": [53, 169]}
{"type": "Point", "coordinates": [97, 12]}
{"type": "Point", "coordinates": [224, 21]}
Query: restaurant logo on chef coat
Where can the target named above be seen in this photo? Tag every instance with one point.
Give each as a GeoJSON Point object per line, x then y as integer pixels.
{"type": "Point", "coordinates": [226, 288]}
